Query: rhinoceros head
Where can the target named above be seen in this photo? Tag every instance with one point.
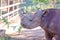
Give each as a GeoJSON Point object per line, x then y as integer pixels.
{"type": "Point", "coordinates": [30, 21]}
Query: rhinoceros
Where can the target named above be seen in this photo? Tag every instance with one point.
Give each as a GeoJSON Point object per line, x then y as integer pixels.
{"type": "Point", "coordinates": [48, 20]}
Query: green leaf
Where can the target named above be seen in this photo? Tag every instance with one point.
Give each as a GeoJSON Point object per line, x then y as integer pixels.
{"type": "Point", "coordinates": [6, 21]}
{"type": "Point", "coordinates": [43, 1]}
{"type": "Point", "coordinates": [20, 28]}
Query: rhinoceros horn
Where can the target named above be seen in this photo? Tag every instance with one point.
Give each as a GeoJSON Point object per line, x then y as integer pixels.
{"type": "Point", "coordinates": [21, 11]}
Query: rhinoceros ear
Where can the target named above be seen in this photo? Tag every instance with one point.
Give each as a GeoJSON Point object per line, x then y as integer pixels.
{"type": "Point", "coordinates": [45, 12]}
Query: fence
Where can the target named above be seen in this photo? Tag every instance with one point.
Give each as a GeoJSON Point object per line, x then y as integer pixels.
{"type": "Point", "coordinates": [9, 9]}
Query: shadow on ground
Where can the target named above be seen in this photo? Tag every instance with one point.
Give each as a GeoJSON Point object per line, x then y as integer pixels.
{"type": "Point", "coordinates": [29, 35]}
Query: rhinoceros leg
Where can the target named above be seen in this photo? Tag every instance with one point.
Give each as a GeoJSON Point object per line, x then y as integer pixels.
{"type": "Point", "coordinates": [48, 36]}
{"type": "Point", "coordinates": [57, 37]}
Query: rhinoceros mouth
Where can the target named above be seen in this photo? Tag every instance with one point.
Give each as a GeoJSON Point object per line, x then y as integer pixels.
{"type": "Point", "coordinates": [25, 26]}
{"type": "Point", "coordinates": [30, 26]}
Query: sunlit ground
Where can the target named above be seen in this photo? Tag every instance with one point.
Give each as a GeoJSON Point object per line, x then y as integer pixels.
{"type": "Point", "coordinates": [29, 34]}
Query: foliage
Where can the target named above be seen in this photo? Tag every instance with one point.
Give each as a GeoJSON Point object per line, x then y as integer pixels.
{"type": "Point", "coordinates": [6, 37]}
{"type": "Point", "coordinates": [6, 21]}
{"type": "Point", "coordinates": [43, 1]}
{"type": "Point", "coordinates": [20, 28]}
{"type": "Point", "coordinates": [34, 4]}
{"type": "Point", "coordinates": [3, 12]}
{"type": "Point", "coordinates": [2, 38]}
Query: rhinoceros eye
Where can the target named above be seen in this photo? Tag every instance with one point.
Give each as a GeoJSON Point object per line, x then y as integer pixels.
{"type": "Point", "coordinates": [30, 20]}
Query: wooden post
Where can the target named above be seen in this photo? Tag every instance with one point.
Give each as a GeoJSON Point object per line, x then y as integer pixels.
{"type": "Point", "coordinates": [1, 6]}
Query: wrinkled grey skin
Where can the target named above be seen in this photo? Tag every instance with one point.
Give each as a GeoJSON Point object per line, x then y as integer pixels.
{"type": "Point", "coordinates": [47, 19]}
{"type": "Point", "coordinates": [31, 20]}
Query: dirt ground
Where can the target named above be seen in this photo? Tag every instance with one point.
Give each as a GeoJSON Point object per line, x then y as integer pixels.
{"type": "Point", "coordinates": [37, 34]}
{"type": "Point", "coordinates": [30, 35]}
